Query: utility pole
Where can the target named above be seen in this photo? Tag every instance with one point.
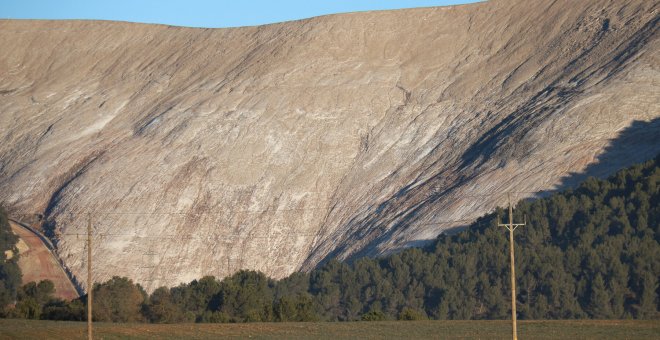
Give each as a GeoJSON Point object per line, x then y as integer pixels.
{"type": "Point", "coordinates": [90, 284]}
{"type": "Point", "coordinates": [511, 227]}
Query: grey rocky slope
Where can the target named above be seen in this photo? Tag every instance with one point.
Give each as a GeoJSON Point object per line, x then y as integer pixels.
{"type": "Point", "coordinates": [202, 151]}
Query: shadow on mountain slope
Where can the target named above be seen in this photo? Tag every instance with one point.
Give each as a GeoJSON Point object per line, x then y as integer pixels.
{"type": "Point", "coordinates": [637, 143]}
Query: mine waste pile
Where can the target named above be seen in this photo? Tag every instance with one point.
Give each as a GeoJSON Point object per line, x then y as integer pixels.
{"type": "Point", "coordinates": [278, 147]}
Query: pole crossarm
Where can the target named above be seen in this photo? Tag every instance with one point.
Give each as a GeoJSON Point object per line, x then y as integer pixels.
{"type": "Point", "coordinates": [511, 227]}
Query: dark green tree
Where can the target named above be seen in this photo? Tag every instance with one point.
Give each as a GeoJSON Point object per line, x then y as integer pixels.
{"type": "Point", "coordinates": [118, 300]}
{"type": "Point", "coordinates": [10, 273]}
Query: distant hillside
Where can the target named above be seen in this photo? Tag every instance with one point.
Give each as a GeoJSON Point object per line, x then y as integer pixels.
{"type": "Point", "coordinates": [278, 148]}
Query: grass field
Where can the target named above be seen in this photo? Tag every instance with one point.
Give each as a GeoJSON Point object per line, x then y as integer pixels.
{"type": "Point", "coordinates": [587, 329]}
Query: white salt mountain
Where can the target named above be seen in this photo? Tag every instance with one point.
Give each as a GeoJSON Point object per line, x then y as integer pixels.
{"type": "Point", "coordinates": [204, 151]}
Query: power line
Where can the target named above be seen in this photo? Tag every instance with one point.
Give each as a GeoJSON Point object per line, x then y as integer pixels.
{"type": "Point", "coordinates": [197, 236]}
{"type": "Point", "coordinates": [229, 211]}
{"type": "Point", "coordinates": [224, 211]}
{"type": "Point", "coordinates": [184, 237]}
{"type": "Point", "coordinates": [169, 236]}
{"type": "Point", "coordinates": [447, 222]}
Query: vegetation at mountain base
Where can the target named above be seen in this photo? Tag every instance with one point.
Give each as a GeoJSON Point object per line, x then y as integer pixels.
{"type": "Point", "coordinates": [10, 273]}
{"type": "Point", "coordinates": [588, 252]}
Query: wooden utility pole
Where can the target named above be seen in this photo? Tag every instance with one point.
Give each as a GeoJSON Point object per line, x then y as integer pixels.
{"type": "Point", "coordinates": [511, 227]}
{"type": "Point", "coordinates": [90, 284]}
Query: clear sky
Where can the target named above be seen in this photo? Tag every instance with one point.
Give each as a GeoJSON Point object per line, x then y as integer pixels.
{"type": "Point", "coordinates": [199, 13]}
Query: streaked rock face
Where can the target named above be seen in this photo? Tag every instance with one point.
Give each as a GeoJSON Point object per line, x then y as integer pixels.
{"type": "Point", "coordinates": [202, 151]}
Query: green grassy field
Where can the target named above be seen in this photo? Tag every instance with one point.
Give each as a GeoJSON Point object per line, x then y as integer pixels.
{"type": "Point", "coordinates": [587, 329]}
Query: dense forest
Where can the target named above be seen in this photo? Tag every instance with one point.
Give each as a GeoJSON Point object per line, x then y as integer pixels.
{"type": "Point", "coordinates": [589, 252]}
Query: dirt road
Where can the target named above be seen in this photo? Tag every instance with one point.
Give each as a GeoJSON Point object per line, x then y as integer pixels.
{"type": "Point", "coordinates": [37, 263]}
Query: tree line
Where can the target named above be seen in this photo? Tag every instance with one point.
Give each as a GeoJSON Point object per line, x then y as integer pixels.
{"type": "Point", "coordinates": [588, 252]}
{"type": "Point", "coordinates": [10, 273]}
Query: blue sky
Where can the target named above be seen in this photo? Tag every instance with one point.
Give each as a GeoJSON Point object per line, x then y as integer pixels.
{"type": "Point", "coordinates": [199, 13]}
